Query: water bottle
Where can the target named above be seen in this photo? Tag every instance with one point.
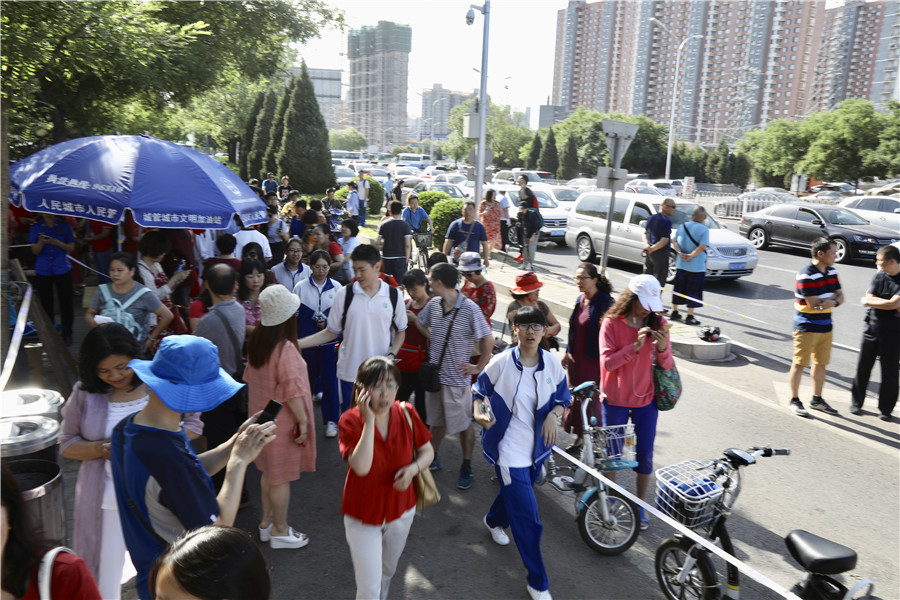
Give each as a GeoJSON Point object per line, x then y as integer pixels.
{"type": "Point", "coordinates": [593, 421]}
{"type": "Point", "coordinates": [486, 409]}
{"type": "Point", "coordinates": [628, 448]}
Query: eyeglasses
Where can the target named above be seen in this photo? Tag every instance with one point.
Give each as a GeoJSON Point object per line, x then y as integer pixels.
{"type": "Point", "coordinates": [320, 267]}
{"type": "Point", "coordinates": [669, 205]}
{"type": "Point", "coordinates": [583, 278]}
{"type": "Point", "coordinates": [467, 274]}
{"type": "Point", "coordinates": [536, 327]}
{"type": "Point", "coordinates": [387, 388]}
{"type": "Point", "coordinates": [295, 250]}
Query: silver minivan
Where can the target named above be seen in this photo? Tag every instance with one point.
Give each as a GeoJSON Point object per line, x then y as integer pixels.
{"type": "Point", "coordinates": [729, 256]}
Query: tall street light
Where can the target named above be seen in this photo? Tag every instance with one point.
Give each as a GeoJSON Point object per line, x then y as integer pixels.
{"type": "Point", "coordinates": [662, 26]}
{"type": "Point", "coordinates": [485, 10]}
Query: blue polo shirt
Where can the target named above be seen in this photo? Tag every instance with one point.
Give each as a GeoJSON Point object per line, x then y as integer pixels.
{"type": "Point", "coordinates": [459, 232]}
{"type": "Point", "coordinates": [659, 226]}
{"type": "Point", "coordinates": [52, 259]}
{"type": "Point", "coordinates": [414, 219]}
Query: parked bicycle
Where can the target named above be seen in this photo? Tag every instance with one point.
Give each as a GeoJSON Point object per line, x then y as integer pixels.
{"type": "Point", "coordinates": [422, 241]}
{"type": "Point", "coordinates": [701, 496]}
{"type": "Point", "coordinates": [608, 522]}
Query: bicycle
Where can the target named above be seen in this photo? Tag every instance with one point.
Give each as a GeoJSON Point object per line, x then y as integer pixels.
{"type": "Point", "coordinates": [608, 522]}
{"type": "Point", "coordinates": [701, 496]}
{"type": "Point", "coordinates": [422, 242]}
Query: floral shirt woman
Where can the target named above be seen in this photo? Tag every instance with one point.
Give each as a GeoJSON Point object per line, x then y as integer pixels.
{"type": "Point", "coordinates": [490, 214]}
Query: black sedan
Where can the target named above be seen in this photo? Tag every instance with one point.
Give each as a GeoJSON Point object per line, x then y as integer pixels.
{"type": "Point", "coordinates": [797, 225]}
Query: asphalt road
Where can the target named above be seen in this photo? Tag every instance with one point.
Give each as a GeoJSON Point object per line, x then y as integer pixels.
{"type": "Point", "coordinates": [841, 481]}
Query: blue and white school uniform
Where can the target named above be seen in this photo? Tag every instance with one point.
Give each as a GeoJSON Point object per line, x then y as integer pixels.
{"type": "Point", "coordinates": [320, 361]}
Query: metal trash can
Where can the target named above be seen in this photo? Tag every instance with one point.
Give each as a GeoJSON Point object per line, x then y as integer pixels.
{"type": "Point", "coordinates": [41, 482]}
{"type": "Point", "coordinates": [29, 437]}
{"type": "Point", "coordinates": [31, 401]}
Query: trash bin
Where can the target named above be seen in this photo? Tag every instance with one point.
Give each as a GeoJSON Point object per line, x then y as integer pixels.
{"type": "Point", "coordinates": [31, 401]}
{"type": "Point", "coordinates": [41, 482]}
{"type": "Point", "coordinates": [27, 437]}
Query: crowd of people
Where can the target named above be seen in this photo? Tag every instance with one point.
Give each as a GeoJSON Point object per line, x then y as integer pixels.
{"type": "Point", "coordinates": [209, 352]}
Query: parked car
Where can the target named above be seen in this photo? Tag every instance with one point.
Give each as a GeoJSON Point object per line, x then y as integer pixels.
{"type": "Point", "coordinates": [533, 176]}
{"type": "Point", "coordinates": [555, 218]}
{"type": "Point", "coordinates": [772, 189]}
{"type": "Point", "coordinates": [843, 188]}
{"type": "Point", "coordinates": [729, 255]}
{"type": "Point", "coordinates": [678, 186]}
{"type": "Point", "coordinates": [750, 202]}
{"type": "Point", "coordinates": [581, 182]}
{"type": "Point", "coordinates": [452, 190]}
{"type": "Point", "coordinates": [662, 185]}
{"type": "Point", "coordinates": [344, 175]}
{"type": "Point", "coordinates": [797, 225]}
{"type": "Point", "coordinates": [883, 211]}
{"type": "Point", "coordinates": [825, 197]}
{"type": "Point", "coordinates": [404, 171]}
{"type": "Point", "coordinates": [886, 190]}
{"type": "Point", "coordinates": [646, 190]}
{"type": "Point", "coordinates": [564, 196]}
{"type": "Point", "coordinates": [455, 178]}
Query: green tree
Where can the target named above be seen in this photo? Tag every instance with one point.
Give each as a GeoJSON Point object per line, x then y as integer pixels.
{"type": "Point", "coordinates": [549, 158]}
{"type": "Point", "coordinates": [276, 134]}
{"type": "Point", "coordinates": [740, 170]}
{"type": "Point", "coordinates": [444, 213]}
{"type": "Point", "coordinates": [647, 152]}
{"type": "Point", "coordinates": [888, 153]}
{"type": "Point", "coordinates": [427, 200]}
{"type": "Point", "coordinates": [261, 136]}
{"type": "Point", "coordinates": [717, 163]}
{"type": "Point", "coordinates": [304, 154]}
{"type": "Point", "coordinates": [507, 135]}
{"type": "Point", "coordinates": [776, 150]}
{"type": "Point", "coordinates": [568, 169]}
{"type": "Point", "coordinates": [102, 55]}
{"type": "Point", "coordinates": [247, 137]}
{"type": "Point", "coordinates": [347, 139]}
{"type": "Point", "coordinates": [845, 144]}
{"type": "Point", "coordinates": [534, 151]}
{"type": "Point", "coordinates": [582, 125]}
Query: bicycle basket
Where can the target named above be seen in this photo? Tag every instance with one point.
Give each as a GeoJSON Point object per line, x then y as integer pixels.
{"type": "Point", "coordinates": [423, 240]}
{"type": "Point", "coordinates": [687, 492]}
{"type": "Point", "coordinates": [614, 447]}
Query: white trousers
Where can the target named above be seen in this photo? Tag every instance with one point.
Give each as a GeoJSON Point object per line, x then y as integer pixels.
{"type": "Point", "coordinates": [376, 550]}
{"type": "Point", "coordinates": [113, 556]}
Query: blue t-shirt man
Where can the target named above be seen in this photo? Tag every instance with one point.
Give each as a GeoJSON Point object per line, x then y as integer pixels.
{"type": "Point", "coordinates": [472, 234]}
{"type": "Point", "coordinates": [658, 226]}
{"type": "Point", "coordinates": [52, 259]}
{"type": "Point", "coordinates": [690, 235]}
{"type": "Point", "coordinates": [414, 218]}
{"type": "Point", "coordinates": [163, 478]}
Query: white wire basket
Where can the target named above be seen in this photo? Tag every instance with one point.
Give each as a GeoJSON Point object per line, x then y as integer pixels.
{"type": "Point", "coordinates": [614, 447]}
{"type": "Point", "coordinates": [688, 492]}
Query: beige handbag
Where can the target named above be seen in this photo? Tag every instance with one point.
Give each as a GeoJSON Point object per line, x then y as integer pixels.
{"type": "Point", "coordinates": [426, 489]}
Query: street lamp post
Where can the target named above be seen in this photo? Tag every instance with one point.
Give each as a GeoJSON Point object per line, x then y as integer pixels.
{"type": "Point", "coordinates": [485, 10]}
{"type": "Point", "coordinates": [662, 26]}
{"type": "Point", "coordinates": [433, 120]}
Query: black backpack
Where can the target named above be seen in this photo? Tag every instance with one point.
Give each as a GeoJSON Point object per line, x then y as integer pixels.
{"type": "Point", "coordinates": [392, 292]}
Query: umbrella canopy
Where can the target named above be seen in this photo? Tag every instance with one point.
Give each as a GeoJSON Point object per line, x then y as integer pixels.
{"type": "Point", "coordinates": [163, 184]}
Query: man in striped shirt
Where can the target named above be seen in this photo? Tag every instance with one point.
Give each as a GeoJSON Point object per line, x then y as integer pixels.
{"type": "Point", "coordinates": [817, 292]}
{"type": "Point", "coordinates": [453, 323]}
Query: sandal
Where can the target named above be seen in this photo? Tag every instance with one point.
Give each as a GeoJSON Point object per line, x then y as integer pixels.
{"type": "Point", "coordinates": [645, 522]}
{"type": "Point", "coordinates": [292, 540]}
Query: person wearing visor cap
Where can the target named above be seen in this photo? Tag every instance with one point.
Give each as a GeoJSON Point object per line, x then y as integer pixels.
{"type": "Point", "coordinates": [162, 487]}
{"type": "Point", "coordinates": [633, 332]}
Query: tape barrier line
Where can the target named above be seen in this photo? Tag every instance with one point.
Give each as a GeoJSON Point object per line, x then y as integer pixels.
{"type": "Point", "coordinates": [16, 341]}
{"type": "Point", "coordinates": [78, 262]}
{"type": "Point", "coordinates": [740, 565]}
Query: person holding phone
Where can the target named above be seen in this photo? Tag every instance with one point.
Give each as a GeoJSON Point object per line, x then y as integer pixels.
{"type": "Point", "coordinates": [276, 371]}
{"type": "Point", "coordinates": [631, 335]}
{"type": "Point", "coordinates": [51, 241]}
{"type": "Point", "coordinates": [384, 449]}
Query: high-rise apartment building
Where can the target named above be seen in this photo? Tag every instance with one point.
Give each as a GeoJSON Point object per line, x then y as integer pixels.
{"type": "Point", "coordinates": [886, 77]}
{"type": "Point", "coordinates": [753, 60]}
{"type": "Point", "coordinates": [327, 87]}
{"type": "Point", "coordinates": [379, 70]}
{"type": "Point", "coordinates": [436, 106]}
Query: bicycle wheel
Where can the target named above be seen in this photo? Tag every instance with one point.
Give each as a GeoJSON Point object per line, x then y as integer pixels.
{"type": "Point", "coordinates": [609, 537]}
{"type": "Point", "coordinates": [701, 582]}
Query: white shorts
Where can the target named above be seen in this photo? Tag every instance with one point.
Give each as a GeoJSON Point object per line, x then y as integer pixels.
{"type": "Point", "coordinates": [451, 408]}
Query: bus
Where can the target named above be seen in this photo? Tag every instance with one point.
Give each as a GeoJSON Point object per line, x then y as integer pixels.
{"type": "Point", "coordinates": [346, 156]}
{"type": "Point", "coordinates": [416, 160]}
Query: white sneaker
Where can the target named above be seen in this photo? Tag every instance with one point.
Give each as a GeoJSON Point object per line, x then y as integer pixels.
{"type": "Point", "coordinates": [293, 539]}
{"type": "Point", "coordinates": [497, 534]}
{"type": "Point", "coordinates": [536, 595]}
{"type": "Point", "coordinates": [331, 429]}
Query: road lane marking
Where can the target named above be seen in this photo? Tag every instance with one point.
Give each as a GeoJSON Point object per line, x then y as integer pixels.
{"type": "Point", "coordinates": [783, 270]}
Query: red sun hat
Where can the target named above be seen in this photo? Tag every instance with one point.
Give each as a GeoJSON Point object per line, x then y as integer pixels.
{"type": "Point", "coordinates": [526, 282]}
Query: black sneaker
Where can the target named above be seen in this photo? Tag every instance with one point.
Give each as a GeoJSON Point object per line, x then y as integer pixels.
{"type": "Point", "coordinates": [691, 320]}
{"type": "Point", "coordinates": [855, 410]}
{"type": "Point", "coordinates": [675, 316]}
{"type": "Point", "coordinates": [820, 404]}
{"type": "Point", "coordinates": [797, 408]}
{"type": "Point", "coordinates": [885, 417]}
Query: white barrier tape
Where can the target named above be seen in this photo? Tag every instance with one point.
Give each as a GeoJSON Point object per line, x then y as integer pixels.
{"type": "Point", "coordinates": [16, 340]}
{"type": "Point", "coordinates": [76, 261]}
{"type": "Point", "coordinates": [741, 566]}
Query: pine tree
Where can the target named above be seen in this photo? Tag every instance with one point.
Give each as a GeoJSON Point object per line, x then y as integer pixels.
{"type": "Point", "coordinates": [568, 168]}
{"type": "Point", "coordinates": [535, 153]}
{"type": "Point", "coordinates": [276, 135]}
{"type": "Point", "coordinates": [247, 137]}
{"type": "Point", "coordinates": [549, 157]}
{"type": "Point", "coordinates": [261, 137]}
{"type": "Point", "coordinates": [304, 154]}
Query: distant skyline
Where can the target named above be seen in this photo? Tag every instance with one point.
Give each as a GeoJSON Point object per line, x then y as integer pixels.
{"type": "Point", "coordinates": [445, 50]}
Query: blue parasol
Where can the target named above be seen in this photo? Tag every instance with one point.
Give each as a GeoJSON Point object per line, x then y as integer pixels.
{"type": "Point", "coordinates": [163, 184]}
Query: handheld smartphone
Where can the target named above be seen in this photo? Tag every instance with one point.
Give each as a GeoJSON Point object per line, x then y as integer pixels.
{"type": "Point", "coordinates": [653, 321]}
{"type": "Point", "coordinates": [269, 413]}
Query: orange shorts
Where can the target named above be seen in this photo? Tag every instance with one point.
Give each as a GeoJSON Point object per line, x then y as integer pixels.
{"type": "Point", "coordinates": [814, 344]}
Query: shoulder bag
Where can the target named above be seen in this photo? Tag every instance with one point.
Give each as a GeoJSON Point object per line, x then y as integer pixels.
{"type": "Point", "coordinates": [666, 387]}
{"type": "Point", "coordinates": [463, 247]}
{"type": "Point", "coordinates": [430, 374]}
{"type": "Point", "coordinates": [426, 489]}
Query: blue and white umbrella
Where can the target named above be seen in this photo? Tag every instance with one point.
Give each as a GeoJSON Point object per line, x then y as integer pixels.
{"type": "Point", "coordinates": [163, 184]}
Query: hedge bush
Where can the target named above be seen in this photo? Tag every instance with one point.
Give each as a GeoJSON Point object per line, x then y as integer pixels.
{"type": "Point", "coordinates": [376, 195]}
{"type": "Point", "coordinates": [427, 200]}
{"type": "Point", "coordinates": [444, 213]}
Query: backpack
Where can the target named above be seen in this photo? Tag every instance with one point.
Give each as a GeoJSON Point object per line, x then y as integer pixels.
{"type": "Point", "coordinates": [392, 292]}
{"type": "Point", "coordinates": [118, 312]}
{"type": "Point", "coordinates": [538, 218]}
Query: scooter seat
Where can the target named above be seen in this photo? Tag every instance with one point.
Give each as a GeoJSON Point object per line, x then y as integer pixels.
{"type": "Point", "coordinates": [818, 555]}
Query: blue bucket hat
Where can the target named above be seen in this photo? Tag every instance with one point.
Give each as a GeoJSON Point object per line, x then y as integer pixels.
{"type": "Point", "coordinates": [185, 374]}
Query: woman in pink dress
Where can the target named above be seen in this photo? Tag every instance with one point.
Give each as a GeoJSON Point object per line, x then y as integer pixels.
{"type": "Point", "coordinates": [490, 214]}
{"type": "Point", "coordinates": [276, 371]}
{"type": "Point", "coordinates": [251, 282]}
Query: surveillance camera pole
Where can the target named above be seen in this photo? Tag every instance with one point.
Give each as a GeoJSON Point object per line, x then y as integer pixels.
{"type": "Point", "coordinates": [619, 136]}
{"type": "Point", "coordinates": [485, 10]}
